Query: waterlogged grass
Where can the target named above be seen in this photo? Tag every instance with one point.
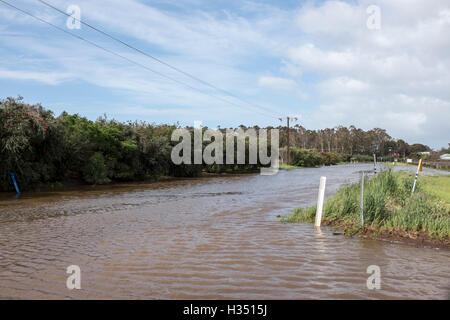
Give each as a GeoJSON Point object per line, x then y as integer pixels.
{"type": "Point", "coordinates": [389, 207]}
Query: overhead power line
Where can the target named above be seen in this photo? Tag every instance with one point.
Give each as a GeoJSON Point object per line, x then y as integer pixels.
{"type": "Point", "coordinates": [156, 59]}
{"type": "Point", "coordinates": [123, 57]}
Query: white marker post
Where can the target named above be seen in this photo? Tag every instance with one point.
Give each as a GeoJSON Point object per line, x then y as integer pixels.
{"type": "Point", "coordinates": [361, 200]}
{"type": "Point", "coordinates": [320, 198]}
{"type": "Point", "coordinates": [417, 176]}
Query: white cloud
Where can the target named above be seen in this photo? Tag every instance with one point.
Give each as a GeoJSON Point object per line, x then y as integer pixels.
{"type": "Point", "coordinates": [343, 86]}
{"type": "Point", "coordinates": [143, 111]}
{"type": "Point", "coordinates": [333, 18]}
{"type": "Point", "coordinates": [313, 58]}
{"type": "Point", "coordinates": [276, 83]}
{"type": "Point", "coordinates": [51, 78]}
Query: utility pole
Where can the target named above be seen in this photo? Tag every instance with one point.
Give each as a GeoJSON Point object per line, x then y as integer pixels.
{"type": "Point", "coordinates": [288, 144]}
{"type": "Point", "coordinates": [287, 136]}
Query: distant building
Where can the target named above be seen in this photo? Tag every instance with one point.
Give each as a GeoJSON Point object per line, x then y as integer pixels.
{"type": "Point", "coordinates": [445, 156]}
{"type": "Point", "coordinates": [425, 153]}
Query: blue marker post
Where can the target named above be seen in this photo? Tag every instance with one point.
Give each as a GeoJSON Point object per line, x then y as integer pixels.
{"type": "Point", "coordinates": [15, 183]}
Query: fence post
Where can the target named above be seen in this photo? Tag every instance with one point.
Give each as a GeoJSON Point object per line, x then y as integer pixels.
{"type": "Point", "coordinates": [361, 201]}
{"type": "Point", "coordinates": [320, 199]}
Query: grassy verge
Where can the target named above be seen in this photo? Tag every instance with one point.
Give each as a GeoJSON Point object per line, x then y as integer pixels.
{"type": "Point", "coordinates": [389, 208]}
{"type": "Point", "coordinates": [402, 164]}
{"type": "Point", "coordinates": [438, 186]}
{"type": "Point", "coordinates": [287, 167]}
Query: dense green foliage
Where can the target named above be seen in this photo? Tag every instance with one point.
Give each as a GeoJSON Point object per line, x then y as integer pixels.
{"type": "Point", "coordinates": [305, 158]}
{"type": "Point", "coordinates": [40, 149]}
{"type": "Point", "coordinates": [388, 205]}
{"type": "Point", "coordinates": [313, 158]}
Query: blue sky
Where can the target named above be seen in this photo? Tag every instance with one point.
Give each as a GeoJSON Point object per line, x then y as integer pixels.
{"type": "Point", "coordinates": [316, 60]}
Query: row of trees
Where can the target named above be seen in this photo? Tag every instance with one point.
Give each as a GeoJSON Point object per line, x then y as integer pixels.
{"type": "Point", "coordinates": [41, 148]}
{"type": "Point", "coordinates": [313, 158]}
{"type": "Point", "coordinates": [349, 140]}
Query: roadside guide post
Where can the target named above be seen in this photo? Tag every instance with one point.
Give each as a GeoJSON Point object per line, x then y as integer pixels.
{"type": "Point", "coordinates": [15, 183]}
{"type": "Point", "coordinates": [320, 199]}
{"type": "Point", "coordinates": [361, 200]}
{"type": "Point", "coordinates": [419, 168]}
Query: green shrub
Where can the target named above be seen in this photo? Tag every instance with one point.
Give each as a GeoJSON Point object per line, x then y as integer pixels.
{"type": "Point", "coordinates": [305, 158]}
{"type": "Point", "coordinates": [95, 171]}
{"type": "Point", "coordinates": [329, 158]}
{"type": "Point", "coordinates": [344, 157]}
{"type": "Point", "coordinates": [362, 158]}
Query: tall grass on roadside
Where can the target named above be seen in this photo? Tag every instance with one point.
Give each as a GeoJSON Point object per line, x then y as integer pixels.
{"type": "Point", "coordinates": [388, 206]}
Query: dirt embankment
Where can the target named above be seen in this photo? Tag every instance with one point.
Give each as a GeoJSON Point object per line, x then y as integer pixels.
{"type": "Point", "coordinates": [413, 238]}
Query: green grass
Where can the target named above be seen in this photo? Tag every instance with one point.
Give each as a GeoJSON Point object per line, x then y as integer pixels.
{"type": "Point", "coordinates": [439, 186]}
{"type": "Point", "coordinates": [402, 164]}
{"type": "Point", "coordinates": [287, 167]}
{"type": "Point", "coordinates": [389, 206]}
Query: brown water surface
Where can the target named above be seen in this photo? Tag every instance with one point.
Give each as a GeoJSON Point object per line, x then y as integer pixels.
{"type": "Point", "coordinates": [202, 238]}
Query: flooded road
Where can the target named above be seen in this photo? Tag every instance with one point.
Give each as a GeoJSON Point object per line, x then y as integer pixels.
{"type": "Point", "coordinates": [202, 238]}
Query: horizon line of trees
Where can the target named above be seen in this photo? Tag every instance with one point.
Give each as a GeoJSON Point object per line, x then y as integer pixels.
{"type": "Point", "coordinates": [41, 148]}
{"type": "Point", "coordinates": [346, 140]}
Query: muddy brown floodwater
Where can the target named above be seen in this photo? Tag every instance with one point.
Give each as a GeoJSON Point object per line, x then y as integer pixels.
{"type": "Point", "coordinates": [202, 238]}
